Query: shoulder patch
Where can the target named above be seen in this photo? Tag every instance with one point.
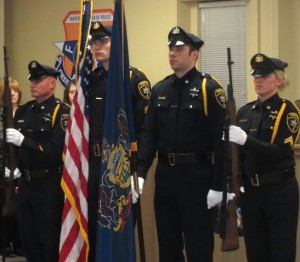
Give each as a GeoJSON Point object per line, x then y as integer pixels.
{"type": "Point", "coordinates": [220, 97]}
{"type": "Point", "coordinates": [144, 89]}
{"type": "Point", "coordinates": [292, 121]}
{"type": "Point", "coordinates": [64, 121]}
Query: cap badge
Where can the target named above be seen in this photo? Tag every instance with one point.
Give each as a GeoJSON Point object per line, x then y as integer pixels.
{"type": "Point", "coordinates": [33, 65]}
{"type": "Point", "coordinates": [175, 31]}
{"type": "Point", "coordinates": [96, 25]}
{"type": "Point", "coordinates": [259, 59]}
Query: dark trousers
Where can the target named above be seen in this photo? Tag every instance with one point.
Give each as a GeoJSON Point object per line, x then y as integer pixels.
{"type": "Point", "coordinates": [40, 204]}
{"type": "Point", "coordinates": [270, 216]}
{"type": "Point", "coordinates": [182, 217]}
{"type": "Point", "coordinates": [93, 195]}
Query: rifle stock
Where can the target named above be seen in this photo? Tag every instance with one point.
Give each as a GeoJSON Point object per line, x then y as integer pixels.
{"type": "Point", "coordinates": [9, 154]}
{"type": "Point", "coordinates": [230, 240]}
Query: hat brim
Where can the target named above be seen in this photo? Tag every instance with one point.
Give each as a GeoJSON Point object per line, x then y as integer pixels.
{"type": "Point", "coordinates": [35, 77]}
{"type": "Point", "coordinates": [261, 71]}
{"type": "Point", "coordinates": [176, 43]}
{"type": "Point", "coordinates": [99, 37]}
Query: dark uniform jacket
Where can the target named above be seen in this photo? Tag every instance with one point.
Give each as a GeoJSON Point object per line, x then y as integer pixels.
{"type": "Point", "coordinates": [140, 89]}
{"type": "Point", "coordinates": [185, 116]}
{"type": "Point", "coordinates": [272, 128]}
{"type": "Point", "coordinates": [43, 126]}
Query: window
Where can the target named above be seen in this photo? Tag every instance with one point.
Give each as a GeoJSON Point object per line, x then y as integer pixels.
{"type": "Point", "coordinates": [222, 25]}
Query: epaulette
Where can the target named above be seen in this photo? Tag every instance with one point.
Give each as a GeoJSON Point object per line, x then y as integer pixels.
{"type": "Point", "coordinates": [251, 103]}
{"type": "Point", "coordinates": [62, 104]}
{"type": "Point", "coordinates": [166, 78]}
{"type": "Point", "coordinates": [208, 76]}
{"type": "Point", "coordinates": [292, 104]}
{"type": "Point", "coordinates": [138, 72]}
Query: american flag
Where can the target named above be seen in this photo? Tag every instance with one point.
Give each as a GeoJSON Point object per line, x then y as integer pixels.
{"type": "Point", "coordinates": [74, 233]}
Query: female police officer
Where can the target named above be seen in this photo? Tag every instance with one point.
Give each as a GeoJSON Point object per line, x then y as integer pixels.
{"type": "Point", "coordinates": [268, 128]}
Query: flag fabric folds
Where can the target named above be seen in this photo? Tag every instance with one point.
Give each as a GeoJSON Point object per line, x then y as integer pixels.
{"type": "Point", "coordinates": [115, 229]}
{"type": "Point", "coordinates": [74, 233]}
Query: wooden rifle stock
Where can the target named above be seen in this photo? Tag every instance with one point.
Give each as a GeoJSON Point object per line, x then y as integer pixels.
{"type": "Point", "coordinates": [137, 205]}
{"type": "Point", "coordinates": [230, 234]}
{"type": "Point", "coordinates": [9, 154]}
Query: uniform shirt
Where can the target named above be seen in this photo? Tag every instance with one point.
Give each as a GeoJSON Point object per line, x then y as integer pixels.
{"type": "Point", "coordinates": [140, 90]}
{"type": "Point", "coordinates": [185, 115]}
{"type": "Point", "coordinates": [272, 128]}
{"type": "Point", "coordinates": [43, 126]}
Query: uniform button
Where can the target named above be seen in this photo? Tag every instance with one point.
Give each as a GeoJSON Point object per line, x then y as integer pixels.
{"type": "Point", "coordinates": [158, 105]}
{"type": "Point", "coordinates": [191, 106]}
{"type": "Point", "coordinates": [271, 127]}
{"type": "Point", "coordinates": [42, 107]}
{"type": "Point", "coordinates": [42, 129]}
{"type": "Point", "coordinates": [268, 107]}
{"type": "Point", "coordinates": [186, 81]}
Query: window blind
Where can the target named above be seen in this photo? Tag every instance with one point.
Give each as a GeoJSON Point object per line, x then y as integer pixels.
{"type": "Point", "coordinates": [222, 25]}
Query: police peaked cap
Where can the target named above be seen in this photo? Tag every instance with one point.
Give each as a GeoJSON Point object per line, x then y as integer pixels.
{"type": "Point", "coordinates": [37, 71]}
{"type": "Point", "coordinates": [100, 31]}
{"type": "Point", "coordinates": [177, 37]}
{"type": "Point", "coordinates": [263, 65]}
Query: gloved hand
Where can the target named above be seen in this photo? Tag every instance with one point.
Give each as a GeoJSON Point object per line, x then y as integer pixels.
{"type": "Point", "coordinates": [135, 195]}
{"type": "Point", "coordinates": [215, 197]}
{"type": "Point", "coordinates": [237, 135]}
{"type": "Point", "coordinates": [17, 173]}
{"type": "Point", "coordinates": [14, 136]}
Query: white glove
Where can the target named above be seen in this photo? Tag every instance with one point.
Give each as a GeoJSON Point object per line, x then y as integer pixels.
{"type": "Point", "coordinates": [215, 197]}
{"type": "Point", "coordinates": [135, 195]}
{"type": "Point", "coordinates": [242, 189]}
{"type": "Point", "coordinates": [14, 136]}
{"type": "Point", "coordinates": [17, 173]}
{"type": "Point", "coordinates": [237, 135]}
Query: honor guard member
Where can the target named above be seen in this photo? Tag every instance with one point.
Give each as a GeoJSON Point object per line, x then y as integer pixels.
{"type": "Point", "coordinates": [184, 124]}
{"type": "Point", "coordinates": [267, 130]}
{"type": "Point", "coordinates": [39, 135]}
{"type": "Point", "coordinates": [140, 86]}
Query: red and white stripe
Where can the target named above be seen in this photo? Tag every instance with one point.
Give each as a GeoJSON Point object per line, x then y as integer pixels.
{"type": "Point", "coordinates": [74, 233]}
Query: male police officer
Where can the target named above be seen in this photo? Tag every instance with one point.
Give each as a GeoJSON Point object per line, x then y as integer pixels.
{"type": "Point", "coordinates": [140, 88]}
{"type": "Point", "coordinates": [39, 135]}
{"type": "Point", "coordinates": [184, 124]}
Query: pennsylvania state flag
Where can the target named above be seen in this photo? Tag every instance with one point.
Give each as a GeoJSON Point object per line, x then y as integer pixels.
{"type": "Point", "coordinates": [115, 229]}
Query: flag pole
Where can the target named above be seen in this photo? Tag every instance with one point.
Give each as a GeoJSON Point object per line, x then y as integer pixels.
{"type": "Point", "coordinates": [137, 205]}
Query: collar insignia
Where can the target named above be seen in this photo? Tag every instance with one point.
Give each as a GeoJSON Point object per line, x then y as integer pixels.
{"type": "Point", "coordinates": [194, 92]}
{"type": "Point", "coordinates": [47, 118]}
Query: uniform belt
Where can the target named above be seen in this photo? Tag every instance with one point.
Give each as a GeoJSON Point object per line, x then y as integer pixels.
{"type": "Point", "coordinates": [38, 173]}
{"type": "Point", "coordinates": [182, 158]}
{"type": "Point", "coordinates": [270, 178]}
{"type": "Point", "coordinates": [95, 150]}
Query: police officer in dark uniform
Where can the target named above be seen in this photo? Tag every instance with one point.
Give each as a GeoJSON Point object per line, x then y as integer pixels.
{"type": "Point", "coordinates": [101, 37]}
{"type": "Point", "coordinates": [184, 124]}
{"type": "Point", "coordinates": [39, 135]}
{"type": "Point", "coordinates": [268, 129]}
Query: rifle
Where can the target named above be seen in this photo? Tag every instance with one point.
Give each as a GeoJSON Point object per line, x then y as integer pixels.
{"type": "Point", "coordinates": [137, 205]}
{"type": "Point", "coordinates": [8, 194]}
{"type": "Point", "coordinates": [229, 228]}
{"type": "Point", "coordinates": [9, 153]}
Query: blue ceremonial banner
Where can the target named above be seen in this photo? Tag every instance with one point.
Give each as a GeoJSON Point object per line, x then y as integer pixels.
{"type": "Point", "coordinates": [115, 230]}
